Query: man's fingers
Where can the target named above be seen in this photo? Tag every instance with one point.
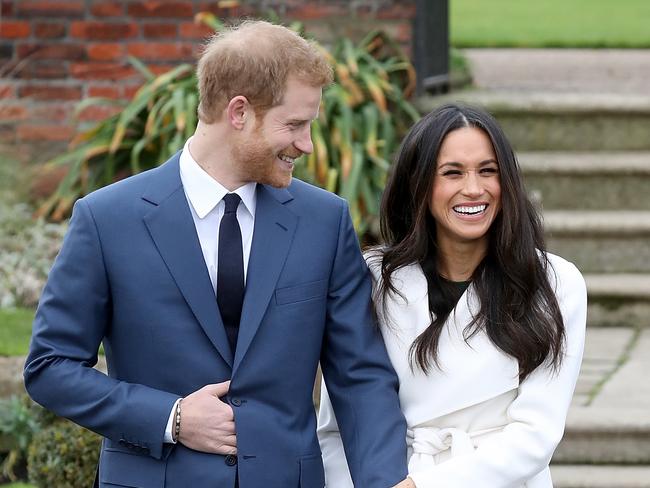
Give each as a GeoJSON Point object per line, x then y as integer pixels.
{"type": "Point", "coordinates": [218, 389]}
{"type": "Point", "coordinates": [228, 427]}
{"type": "Point", "coordinates": [225, 449]}
{"type": "Point", "coordinates": [230, 440]}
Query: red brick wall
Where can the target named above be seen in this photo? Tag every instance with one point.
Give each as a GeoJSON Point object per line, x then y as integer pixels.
{"type": "Point", "coordinates": [54, 53]}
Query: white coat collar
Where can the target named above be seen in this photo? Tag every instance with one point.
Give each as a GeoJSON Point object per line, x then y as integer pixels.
{"type": "Point", "coordinates": [471, 372]}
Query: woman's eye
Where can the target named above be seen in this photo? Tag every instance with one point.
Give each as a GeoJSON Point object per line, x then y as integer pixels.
{"type": "Point", "coordinates": [452, 172]}
{"type": "Point", "coordinates": [489, 171]}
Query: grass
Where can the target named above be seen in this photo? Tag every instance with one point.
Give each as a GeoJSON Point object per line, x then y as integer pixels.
{"type": "Point", "coordinates": [18, 485]}
{"type": "Point", "coordinates": [15, 331]}
{"type": "Point", "coordinates": [550, 23]}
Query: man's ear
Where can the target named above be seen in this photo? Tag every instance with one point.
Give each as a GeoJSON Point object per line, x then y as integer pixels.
{"type": "Point", "coordinates": [238, 111]}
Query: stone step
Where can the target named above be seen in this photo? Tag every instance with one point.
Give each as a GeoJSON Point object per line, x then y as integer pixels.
{"type": "Point", "coordinates": [588, 180]}
{"type": "Point", "coordinates": [606, 241]}
{"type": "Point", "coordinates": [613, 425]}
{"type": "Point", "coordinates": [551, 121]}
{"type": "Point", "coordinates": [604, 348]}
{"type": "Point", "coordinates": [613, 476]}
{"type": "Point", "coordinates": [561, 70]}
{"type": "Point", "coordinates": [618, 300]}
{"type": "Point", "coordinates": [605, 435]}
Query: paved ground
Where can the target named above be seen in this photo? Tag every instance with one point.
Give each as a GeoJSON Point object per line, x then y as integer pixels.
{"type": "Point", "coordinates": [628, 387]}
{"type": "Point", "coordinates": [605, 349]}
{"type": "Point", "coordinates": [615, 361]}
{"type": "Point", "coordinates": [585, 71]}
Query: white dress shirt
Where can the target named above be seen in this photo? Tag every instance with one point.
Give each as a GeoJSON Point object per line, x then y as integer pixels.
{"type": "Point", "coordinates": [205, 198]}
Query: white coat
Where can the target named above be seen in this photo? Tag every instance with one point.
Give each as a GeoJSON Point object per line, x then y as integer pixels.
{"type": "Point", "coordinates": [471, 423]}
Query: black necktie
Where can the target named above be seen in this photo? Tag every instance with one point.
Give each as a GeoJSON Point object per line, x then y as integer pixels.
{"type": "Point", "coordinates": [230, 270]}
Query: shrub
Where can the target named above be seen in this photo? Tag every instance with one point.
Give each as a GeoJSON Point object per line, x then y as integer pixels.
{"type": "Point", "coordinates": [63, 455]}
{"type": "Point", "coordinates": [28, 249]}
{"type": "Point", "coordinates": [20, 420]}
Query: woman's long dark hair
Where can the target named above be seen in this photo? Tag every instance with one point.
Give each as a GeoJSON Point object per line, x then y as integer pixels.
{"type": "Point", "coordinates": [518, 308]}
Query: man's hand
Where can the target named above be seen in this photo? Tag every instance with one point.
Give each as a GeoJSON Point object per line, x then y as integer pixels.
{"type": "Point", "coordinates": [207, 423]}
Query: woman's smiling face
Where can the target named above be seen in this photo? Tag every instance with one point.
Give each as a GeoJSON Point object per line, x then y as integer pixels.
{"type": "Point", "coordinates": [466, 196]}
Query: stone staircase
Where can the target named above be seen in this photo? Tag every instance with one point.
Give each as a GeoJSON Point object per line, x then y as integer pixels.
{"type": "Point", "coordinates": [596, 208]}
{"type": "Point", "coordinates": [580, 123]}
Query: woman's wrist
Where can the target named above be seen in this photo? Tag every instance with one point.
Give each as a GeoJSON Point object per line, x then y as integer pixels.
{"type": "Point", "coordinates": [406, 483]}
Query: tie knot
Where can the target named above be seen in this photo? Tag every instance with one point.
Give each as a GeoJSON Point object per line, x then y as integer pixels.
{"type": "Point", "coordinates": [232, 202]}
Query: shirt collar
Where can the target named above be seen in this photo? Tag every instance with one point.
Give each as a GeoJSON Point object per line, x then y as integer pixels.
{"type": "Point", "coordinates": [204, 192]}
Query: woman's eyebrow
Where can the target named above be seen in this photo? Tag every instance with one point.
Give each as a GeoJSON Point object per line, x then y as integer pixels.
{"type": "Point", "coordinates": [451, 163]}
{"type": "Point", "coordinates": [456, 164]}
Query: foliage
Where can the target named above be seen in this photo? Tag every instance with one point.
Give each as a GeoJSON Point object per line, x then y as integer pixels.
{"type": "Point", "coordinates": [362, 118]}
{"type": "Point", "coordinates": [149, 128]}
{"type": "Point", "coordinates": [28, 249]}
{"type": "Point", "coordinates": [63, 455]}
{"type": "Point", "coordinates": [14, 177]}
{"type": "Point", "coordinates": [20, 419]}
{"type": "Point", "coordinates": [15, 330]}
{"type": "Point", "coordinates": [460, 73]}
{"type": "Point", "coordinates": [551, 23]}
{"type": "Point", "coordinates": [364, 115]}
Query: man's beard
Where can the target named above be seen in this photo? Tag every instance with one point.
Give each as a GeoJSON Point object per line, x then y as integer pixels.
{"type": "Point", "coordinates": [257, 162]}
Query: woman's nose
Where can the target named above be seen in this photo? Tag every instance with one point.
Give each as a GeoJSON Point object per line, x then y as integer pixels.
{"type": "Point", "coordinates": [472, 185]}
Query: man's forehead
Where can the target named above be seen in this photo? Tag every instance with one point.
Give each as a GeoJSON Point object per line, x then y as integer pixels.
{"type": "Point", "coordinates": [300, 104]}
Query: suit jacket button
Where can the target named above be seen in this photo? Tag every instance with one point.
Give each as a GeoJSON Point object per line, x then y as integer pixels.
{"type": "Point", "coordinates": [236, 402]}
{"type": "Point", "coordinates": [231, 460]}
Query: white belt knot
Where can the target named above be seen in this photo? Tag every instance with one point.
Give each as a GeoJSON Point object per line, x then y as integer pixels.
{"type": "Point", "coordinates": [431, 441]}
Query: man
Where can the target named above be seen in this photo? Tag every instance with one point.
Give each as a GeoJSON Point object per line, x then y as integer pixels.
{"type": "Point", "coordinates": [218, 280]}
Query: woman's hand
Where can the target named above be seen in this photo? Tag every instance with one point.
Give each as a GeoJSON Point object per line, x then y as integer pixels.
{"type": "Point", "coordinates": [407, 483]}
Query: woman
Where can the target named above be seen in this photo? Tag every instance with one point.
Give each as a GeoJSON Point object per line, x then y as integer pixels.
{"type": "Point", "coordinates": [484, 328]}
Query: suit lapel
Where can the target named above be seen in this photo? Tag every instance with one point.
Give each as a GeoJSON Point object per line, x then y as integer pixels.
{"type": "Point", "coordinates": [274, 229]}
{"type": "Point", "coordinates": [172, 229]}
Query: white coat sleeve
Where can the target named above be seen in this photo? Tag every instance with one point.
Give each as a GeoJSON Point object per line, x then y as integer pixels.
{"type": "Point", "coordinates": [536, 417]}
{"type": "Point", "coordinates": [337, 474]}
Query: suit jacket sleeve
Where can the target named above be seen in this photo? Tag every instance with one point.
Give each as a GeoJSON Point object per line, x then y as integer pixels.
{"type": "Point", "coordinates": [360, 380]}
{"type": "Point", "coordinates": [537, 416]}
{"type": "Point", "coordinates": [72, 318]}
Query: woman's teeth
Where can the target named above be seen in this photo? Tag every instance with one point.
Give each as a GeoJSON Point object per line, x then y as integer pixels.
{"type": "Point", "coordinates": [470, 210]}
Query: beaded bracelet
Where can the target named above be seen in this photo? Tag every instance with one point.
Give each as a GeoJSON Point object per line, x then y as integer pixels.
{"type": "Point", "coordinates": [177, 421]}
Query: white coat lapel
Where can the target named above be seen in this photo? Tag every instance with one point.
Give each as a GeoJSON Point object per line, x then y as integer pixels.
{"type": "Point", "coordinates": [471, 372]}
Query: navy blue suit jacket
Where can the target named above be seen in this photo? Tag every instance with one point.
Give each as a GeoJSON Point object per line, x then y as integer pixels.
{"type": "Point", "coordinates": [131, 274]}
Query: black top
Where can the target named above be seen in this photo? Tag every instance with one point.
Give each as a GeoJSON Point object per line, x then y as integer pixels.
{"type": "Point", "coordinates": [457, 287]}
{"type": "Point", "coordinates": [443, 293]}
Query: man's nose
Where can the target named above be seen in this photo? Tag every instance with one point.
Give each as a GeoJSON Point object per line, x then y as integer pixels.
{"type": "Point", "coordinates": [303, 143]}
